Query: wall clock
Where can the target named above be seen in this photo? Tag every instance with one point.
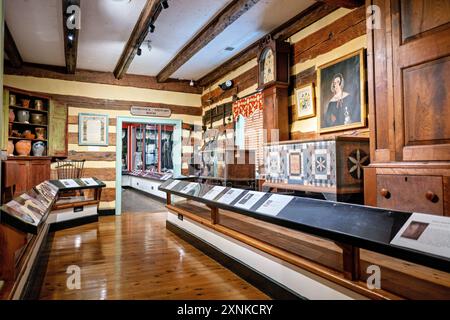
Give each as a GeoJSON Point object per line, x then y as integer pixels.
{"type": "Point", "coordinates": [273, 63]}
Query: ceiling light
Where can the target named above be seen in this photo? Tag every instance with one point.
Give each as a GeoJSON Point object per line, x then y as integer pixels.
{"type": "Point", "coordinates": [192, 83]}
{"type": "Point", "coordinates": [165, 4]}
{"type": "Point", "coordinates": [71, 36]}
{"type": "Point", "coordinates": [152, 28]}
{"type": "Point", "coordinates": [139, 51]}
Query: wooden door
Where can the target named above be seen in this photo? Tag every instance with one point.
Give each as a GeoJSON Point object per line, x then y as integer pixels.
{"type": "Point", "coordinates": [421, 73]}
{"type": "Point", "coordinates": [57, 138]}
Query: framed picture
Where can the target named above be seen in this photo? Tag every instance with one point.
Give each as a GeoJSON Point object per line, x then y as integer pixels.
{"type": "Point", "coordinates": [93, 129]}
{"type": "Point", "coordinates": [295, 163]}
{"type": "Point", "coordinates": [342, 94]}
{"type": "Point", "coordinates": [306, 102]}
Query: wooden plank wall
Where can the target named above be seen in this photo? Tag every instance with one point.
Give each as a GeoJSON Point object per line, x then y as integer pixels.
{"type": "Point", "coordinates": [339, 33]}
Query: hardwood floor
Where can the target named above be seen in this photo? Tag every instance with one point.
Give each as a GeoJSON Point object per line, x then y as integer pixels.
{"type": "Point", "coordinates": [135, 257]}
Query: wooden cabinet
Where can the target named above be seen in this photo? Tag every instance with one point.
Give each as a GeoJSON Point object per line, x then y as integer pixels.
{"type": "Point", "coordinates": [25, 173]}
{"type": "Point", "coordinates": [409, 108]}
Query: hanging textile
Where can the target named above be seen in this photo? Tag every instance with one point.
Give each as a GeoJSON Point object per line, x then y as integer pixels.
{"type": "Point", "coordinates": [247, 106]}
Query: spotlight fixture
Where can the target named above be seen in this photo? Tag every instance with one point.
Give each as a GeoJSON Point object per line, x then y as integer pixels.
{"type": "Point", "coordinates": [139, 51]}
{"type": "Point", "coordinates": [192, 83]}
{"type": "Point", "coordinates": [70, 36]}
{"type": "Point", "coordinates": [152, 28]}
{"type": "Point", "coordinates": [165, 4]}
{"type": "Point", "coordinates": [226, 85]}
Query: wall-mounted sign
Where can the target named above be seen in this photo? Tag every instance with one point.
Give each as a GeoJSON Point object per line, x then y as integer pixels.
{"type": "Point", "coordinates": [151, 112]}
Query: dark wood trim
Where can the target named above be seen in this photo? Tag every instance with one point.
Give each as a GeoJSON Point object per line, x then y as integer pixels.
{"type": "Point", "coordinates": [301, 21]}
{"type": "Point", "coordinates": [273, 289]}
{"type": "Point", "coordinates": [89, 76]}
{"type": "Point", "coordinates": [11, 49]}
{"type": "Point", "coordinates": [350, 4]}
{"type": "Point", "coordinates": [148, 16]}
{"type": "Point", "coordinates": [70, 46]}
{"type": "Point", "coordinates": [220, 22]}
{"type": "Point", "coordinates": [92, 156]}
{"type": "Point", "coordinates": [57, 226]}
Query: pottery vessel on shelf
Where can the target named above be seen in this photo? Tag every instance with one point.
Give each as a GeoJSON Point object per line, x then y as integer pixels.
{"type": "Point", "coordinates": [12, 100]}
{"type": "Point", "coordinates": [10, 148]}
{"type": "Point", "coordinates": [23, 147]}
{"type": "Point", "coordinates": [26, 103]}
{"type": "Point", "coordinates": [40, 133]}
{"type": "Point", "coordinates": [37, 118]}
{"type": "Point", "coordinates": [23, 116]}
{"type": "Point", "coordinates": [38, 149]}
{"type": "Point", "coordinates": [28, 135]}
{"type": "Point", "coordinates": [38, 105]}
{"type": "Point", "coordinates": [12, 116]}
{"type": "Point", "coordinates": [15, 134]}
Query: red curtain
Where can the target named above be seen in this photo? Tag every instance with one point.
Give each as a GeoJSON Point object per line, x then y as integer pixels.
{"type": "Point", "coordinates": [247, 106]}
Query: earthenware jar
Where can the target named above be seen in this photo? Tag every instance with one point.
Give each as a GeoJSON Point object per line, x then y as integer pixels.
{"type": "Point", "coordinates": [26, 103]}
{"type": "Point", "coordinates": [38, 149]}
{"type": "Point", "coordinates": [10, 148]}
{"type": "Point", "coordinates": [23, 115]}
{"type": "Point", "coordinates": [38, 105]}
{"type": "Point", "coordinates": [23, 147]}
{"type": "Point", "coordinates": [12, 116]}
{"type": "Point", "coordinates": [37, 118]}
{"type": "Point", "coordinates": [40, 133]}
{"type": "Point", "coordinates": [12, 100]}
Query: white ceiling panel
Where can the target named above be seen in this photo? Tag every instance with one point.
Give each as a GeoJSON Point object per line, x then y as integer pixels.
{"type": "Point", "coordinates": [36, 26]}
{"type": "Point", "coordinates": [254, 24]}
{"type": "Point", "coordinates": [174, 27]}
{"type": "Point", "coordinates": [106, 26]}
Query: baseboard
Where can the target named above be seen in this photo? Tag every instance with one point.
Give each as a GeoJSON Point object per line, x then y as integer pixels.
{"type": "Point", "coordinates": [255, 278]}
{"type": "Point", "coordinates": [72, 223]}
{"type": "Point", "coordinates": [106, 212]}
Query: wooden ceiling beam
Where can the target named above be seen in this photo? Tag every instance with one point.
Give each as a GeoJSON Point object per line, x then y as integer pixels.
{"type": "Point", "coordinates": [350, 4]}
{"type": "Point", "coordinates": [11, 49]}
{"type": "Point", "coordinates": [305, 18]}
{"type": "Point", "coordinates": [70, 37]}
{"type": "Point", "coordinates": [221, 21]}
{"type": "Point", "coordinates": [148, 16]}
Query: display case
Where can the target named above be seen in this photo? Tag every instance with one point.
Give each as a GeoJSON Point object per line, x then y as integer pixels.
{"type": "Point", "coordinates": [334, 241]}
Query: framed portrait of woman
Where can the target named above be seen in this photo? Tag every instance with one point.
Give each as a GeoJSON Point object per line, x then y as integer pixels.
{"type": "Point", "coordinates": [341, 101]}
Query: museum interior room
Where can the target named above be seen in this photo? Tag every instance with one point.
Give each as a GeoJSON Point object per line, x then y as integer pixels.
{"type": "Point", "coordinates": [226, 149]}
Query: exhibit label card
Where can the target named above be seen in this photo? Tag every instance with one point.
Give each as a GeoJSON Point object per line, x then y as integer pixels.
{"type": "Point", "coordinates": [173, 184]}
{"type": "Point", "coordinates": [69, 183]}
{"type": "Point", "coordinates": [274, 204]}
{"type": "Point", "coordinates": [213, 193]}
{"type": "Point", "coordinates": [249, 200]}
{"type": "Point", "coordinates": [89, 181]}
{"type": "Point", "coordinates": [191, 186]}
{"type": "Point", "coordinates": [427, 233]}
{"type": "Point", "coordinates": [230, 196]}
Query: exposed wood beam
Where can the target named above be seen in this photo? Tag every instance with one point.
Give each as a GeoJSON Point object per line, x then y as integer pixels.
{"type": "Point", "coordinates": [11, 49]}
{"type": "Point", "coordinates": [148, 16]}
{"type": "Point", "coordinates": [299, 22]}
{"type": "Point", "coordinates": [221, 21]}
{"type": "Point", "coordinates": [345, 3]}
{"type": "Point", "coordinates": [70, 38]}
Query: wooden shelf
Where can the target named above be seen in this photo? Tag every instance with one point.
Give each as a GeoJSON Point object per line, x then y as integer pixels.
{"type": "Point", "coordinates": [17, 138]}
{"type": "Point", "coordinates": [29, 124]}
{"type": "Point", "coordinates": [29, 109]}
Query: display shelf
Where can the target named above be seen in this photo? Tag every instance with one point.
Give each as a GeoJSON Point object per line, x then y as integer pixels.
{"type": "Point", "coordinates": [29, 124]}
{"type": "Point", "coordinates": [17, 138]}
{"type": "Point", "coordinates": [28, 109]}
{"type": "Point", "coordinates": [353, 225]}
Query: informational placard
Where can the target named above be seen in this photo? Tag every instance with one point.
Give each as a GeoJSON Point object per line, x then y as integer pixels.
{"type": "Point", "coordinates": [213, 193]}
{"type": "Point", "coordinates": [150, 112]}
{"type": "Point", "coordinates": [230, 196]}
{"type": "Point", "coordinates": [172, 184]}
{"type": "Point", "coordinates": [249, 199]}
{"type": "Point", "coordinates": [89, 181]}
{"type": "Point", "coordinates": [274, 204]}
{"type": "Point", "coordinates": [69, 183]}
{"type": "Point", "coordinates": [191, 186]}
{"type": "Point", "coordinates": [427, 233]}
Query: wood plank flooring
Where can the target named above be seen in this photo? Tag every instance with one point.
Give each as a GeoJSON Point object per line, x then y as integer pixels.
{"type": "Point", "coordinates": [135, 257]}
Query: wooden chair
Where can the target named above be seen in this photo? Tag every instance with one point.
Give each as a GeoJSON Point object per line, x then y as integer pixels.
{"type": "Point", "coordinates": [70, 169]}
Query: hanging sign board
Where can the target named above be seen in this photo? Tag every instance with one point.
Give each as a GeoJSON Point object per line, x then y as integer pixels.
{"type": "Point", "coordinates": [151, 112]}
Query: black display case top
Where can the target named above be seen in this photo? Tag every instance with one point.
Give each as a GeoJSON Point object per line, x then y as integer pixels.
{"type": "Point", "coordinates": [63, 185]}
{"type": "Point", "coordinates": [361, 226]}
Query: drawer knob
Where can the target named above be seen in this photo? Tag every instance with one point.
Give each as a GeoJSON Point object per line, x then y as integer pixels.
{"type": "Point", "coordinates": [385, 193]}
{"type": "Point", "coordinates": [431, 196]}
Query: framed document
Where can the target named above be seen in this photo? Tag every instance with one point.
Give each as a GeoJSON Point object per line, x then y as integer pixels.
{"type": "Point", "coordinates": [93, 129]}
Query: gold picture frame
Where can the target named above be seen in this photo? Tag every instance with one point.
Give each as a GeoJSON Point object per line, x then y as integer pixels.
{"type": "Point", "coordinates": [341, 99]}
{"type": "Point", "coordinates": [305, 99]}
